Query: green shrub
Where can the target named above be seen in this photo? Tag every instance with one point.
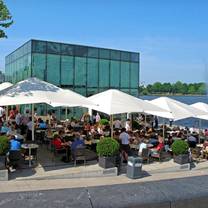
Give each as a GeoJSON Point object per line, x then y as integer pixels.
{"type": "Point", "coordinates": [180, 147]}
{"type": "Point", "coordinates": [135, 125]}
{"type": "Point", "coordinates": [107, 147]}
{"type": "Point", "coordinates": [104, 121]}
{"type": "Point", "coordinates": [4, 145]}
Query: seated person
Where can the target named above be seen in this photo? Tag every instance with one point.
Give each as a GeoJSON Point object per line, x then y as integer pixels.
{"type": "Point", "coordinates": [42, 124]}
{"type": "Point", "coordinates": [62, 147]}
{"type": "Point", "coordinates": [159, 147]}
{"type": "Point", "coordinates": [78, 142]}
{"type": "Point", "coordinates": [142, 145]}
{"type": "Point", "coordinates": [192, 141]}
{"type": "Point", "coordinates": [59, 143]}
{"type": "Point", "coordinates": [5, 128]}
{"type": "Point", "coordinates": [206, 132]}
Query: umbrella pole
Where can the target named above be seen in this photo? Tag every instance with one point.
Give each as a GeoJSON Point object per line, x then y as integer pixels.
{"type": "Point", "coordinates": [145, 121]}
{"type": "Point", "coordinates": [164, 129]}
{"type": "Point", "coordinates": [111, 118]}
{"type": "Point", "coordinates": [7, 112]}
{"type": "Point", "coordinates": [65, 113]}
{"type": "Point", "coordinates": [199, 129]}
{"type": "Point", "coordinates": [33, 125]}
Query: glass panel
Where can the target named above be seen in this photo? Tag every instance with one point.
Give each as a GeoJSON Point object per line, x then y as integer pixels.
{"type": "Point", "coordinates": [53, 48]}
{"type": "Point", "coordinates": [135, 57]}
{"type": "Point", "coordinates": [115, 54]}
{"type": "Point", "coordinates": [125, 56]}
{"type": "Point", "coordinates": [104, 53]}
{"type": "Point", "coordinates": [39, 46]}
{"type": "Point", "coordinates": [67, 64]}
{"type": "Point", "coordinates": [104, 73]}
{"type": "Point", "coordinates": [80, 71]}
{"type": "Point", "coordinates": [134, 83]}
{"type": "Point", "coordinates": [92, 72]}
{"type": "Point", "coordinates": [53, 69]}
{"type": "Point", "coordinates": [93, 52]}
{"type": "Point", "coordinates": [67, 49]}
{"type": "Point", "coordinates": [38, 65]}
{"type": "Point", "coordinates": [125, 73]}
{"type": "Point", "coordinates": [80, 51]}
{"type": "Point", "coordinates": [91, 91]}
{"type": "Point", "coordinates": [114, 73]}
{"type": "Point", "coordinates": [134, 92]}
{"type": "Point", "coordinates": [125, 90]}
{"type": "Point", "coordinates": [81, 91]}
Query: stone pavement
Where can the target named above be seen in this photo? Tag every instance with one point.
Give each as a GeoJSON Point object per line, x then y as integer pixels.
{"type": "Point", "coordinates": [150, 174]}
{"type": "Point", "coordinates": [189, 192]}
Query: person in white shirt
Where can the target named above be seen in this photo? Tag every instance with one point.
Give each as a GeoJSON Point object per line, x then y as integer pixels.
{"type": "Point", "coordinates": [97, 118]}
{"type": "Point", "coordinates": [124, 137]}
{"type": "Point", "coordinates": [143, 145]}
{"type": "Point", "coordinates": [18, 118]}
{"type": "Point", "coordinates": [117, 124]}
{"type": "Point", "coordinates": [128, 125]}
{"type": "Point", "coordinates": [1, 112]}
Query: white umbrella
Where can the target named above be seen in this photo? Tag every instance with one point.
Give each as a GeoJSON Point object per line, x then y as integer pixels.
{"type": "Point", "coordinates": [33, 90]}
{"type": "Point", "coordinates": [114, 102]}
{"type": "Point", "coordinates": [202, 106]}
{"type": "Point", "coordinates": [176, 110]}
{"type": "Point", "coordinates": [5, 85]}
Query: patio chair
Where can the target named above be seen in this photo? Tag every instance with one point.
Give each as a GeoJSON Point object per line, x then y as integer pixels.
{"type": "Point", "coordinates": [79, 155]}
{"type": "Point", "coordinates": [145, 154]}
{"type": "Point", "coordinates": [159, 155]}
{"type": "Point", "coordinates": [56, 152]}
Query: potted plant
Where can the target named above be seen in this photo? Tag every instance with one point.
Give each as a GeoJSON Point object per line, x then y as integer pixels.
{"type": "Point", "coordinates": [180, 152]}
{"type": "Point", "coordinates": [107, 150]}
{"type": "Point", "coordinates": [4, 148]}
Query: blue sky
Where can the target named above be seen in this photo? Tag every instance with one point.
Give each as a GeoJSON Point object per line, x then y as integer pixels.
{"type": "Point", "coordinates": [172, 36]}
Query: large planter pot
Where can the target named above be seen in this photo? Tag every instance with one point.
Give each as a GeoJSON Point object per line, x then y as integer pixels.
{"type": "Point", "coordinates": [181, 159]}
{"type": "Point", "coordinates": [2, 159]}
{"type": "Point", "coordinates": [3, 170]}
{"type": "Point", "coordinates": [107, 162]}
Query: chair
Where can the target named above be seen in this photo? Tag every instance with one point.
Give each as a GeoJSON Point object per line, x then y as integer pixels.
{"type": "Point", "coordinates": [79, 155]}
{"type": "Point", "coordinates": [40, 136]}
{"type": "Point", "coordinates": [145, 154]}
{"type": "Point", "coordinates": [57, 152]}
{"type": "Point", "coordinates": [159, 155]}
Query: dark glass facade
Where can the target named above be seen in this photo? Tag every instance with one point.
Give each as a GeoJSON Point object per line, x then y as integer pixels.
{"type": "Point", "coordinates": [86, 70]}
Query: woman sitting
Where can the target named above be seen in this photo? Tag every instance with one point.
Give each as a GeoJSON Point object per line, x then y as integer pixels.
{"type": "Point", "coordinates": [159, 147]}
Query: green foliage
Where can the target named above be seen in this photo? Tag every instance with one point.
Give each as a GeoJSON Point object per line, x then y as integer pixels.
{"type": "Point", "coordinates": [5, 19]}
{"type": "Point", "coordinates": [180, 147]}
{"type": "Point", "coordinates": [174, 88]}
{"type": "Point", "coordinates": [135, 125]}
{"type": "Point", "coordinates": [107, 147]}
{"type": "Point", "coordinates": [4, 145]}
{"type": "Point", "coordinates": [104, 121]}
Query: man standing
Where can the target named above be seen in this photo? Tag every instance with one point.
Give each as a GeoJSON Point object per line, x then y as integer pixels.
{"type": "Point", "coordinates": [124, 137]}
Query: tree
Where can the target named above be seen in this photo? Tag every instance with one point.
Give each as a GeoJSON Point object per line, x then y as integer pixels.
{"type": "Point", "coordinates": [5, 19]}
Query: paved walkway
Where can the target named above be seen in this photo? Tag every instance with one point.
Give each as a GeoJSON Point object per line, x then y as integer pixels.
{"type": "Point", "coordinates": [153, 175]}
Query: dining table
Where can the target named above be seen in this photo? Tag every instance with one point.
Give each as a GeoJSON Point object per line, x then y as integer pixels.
{"type": "Point", "coordinates": [29, 147]}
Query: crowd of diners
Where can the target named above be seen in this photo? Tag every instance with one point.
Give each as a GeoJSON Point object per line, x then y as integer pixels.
{"type": "Point", "coordinates": [72, 134]}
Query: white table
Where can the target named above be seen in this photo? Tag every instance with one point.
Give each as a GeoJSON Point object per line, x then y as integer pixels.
{"type": "Point", "coordinates": [29, 147]}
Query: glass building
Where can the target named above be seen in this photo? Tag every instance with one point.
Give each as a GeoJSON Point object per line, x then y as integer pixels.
{"type": "Point", "coordinates": [84, 69]}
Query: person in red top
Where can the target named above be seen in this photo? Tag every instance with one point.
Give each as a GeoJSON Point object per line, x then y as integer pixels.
{"type": "Point", "coordinates": [62, 147]}
{"type": "Point", "coordinates": [159, 147]}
